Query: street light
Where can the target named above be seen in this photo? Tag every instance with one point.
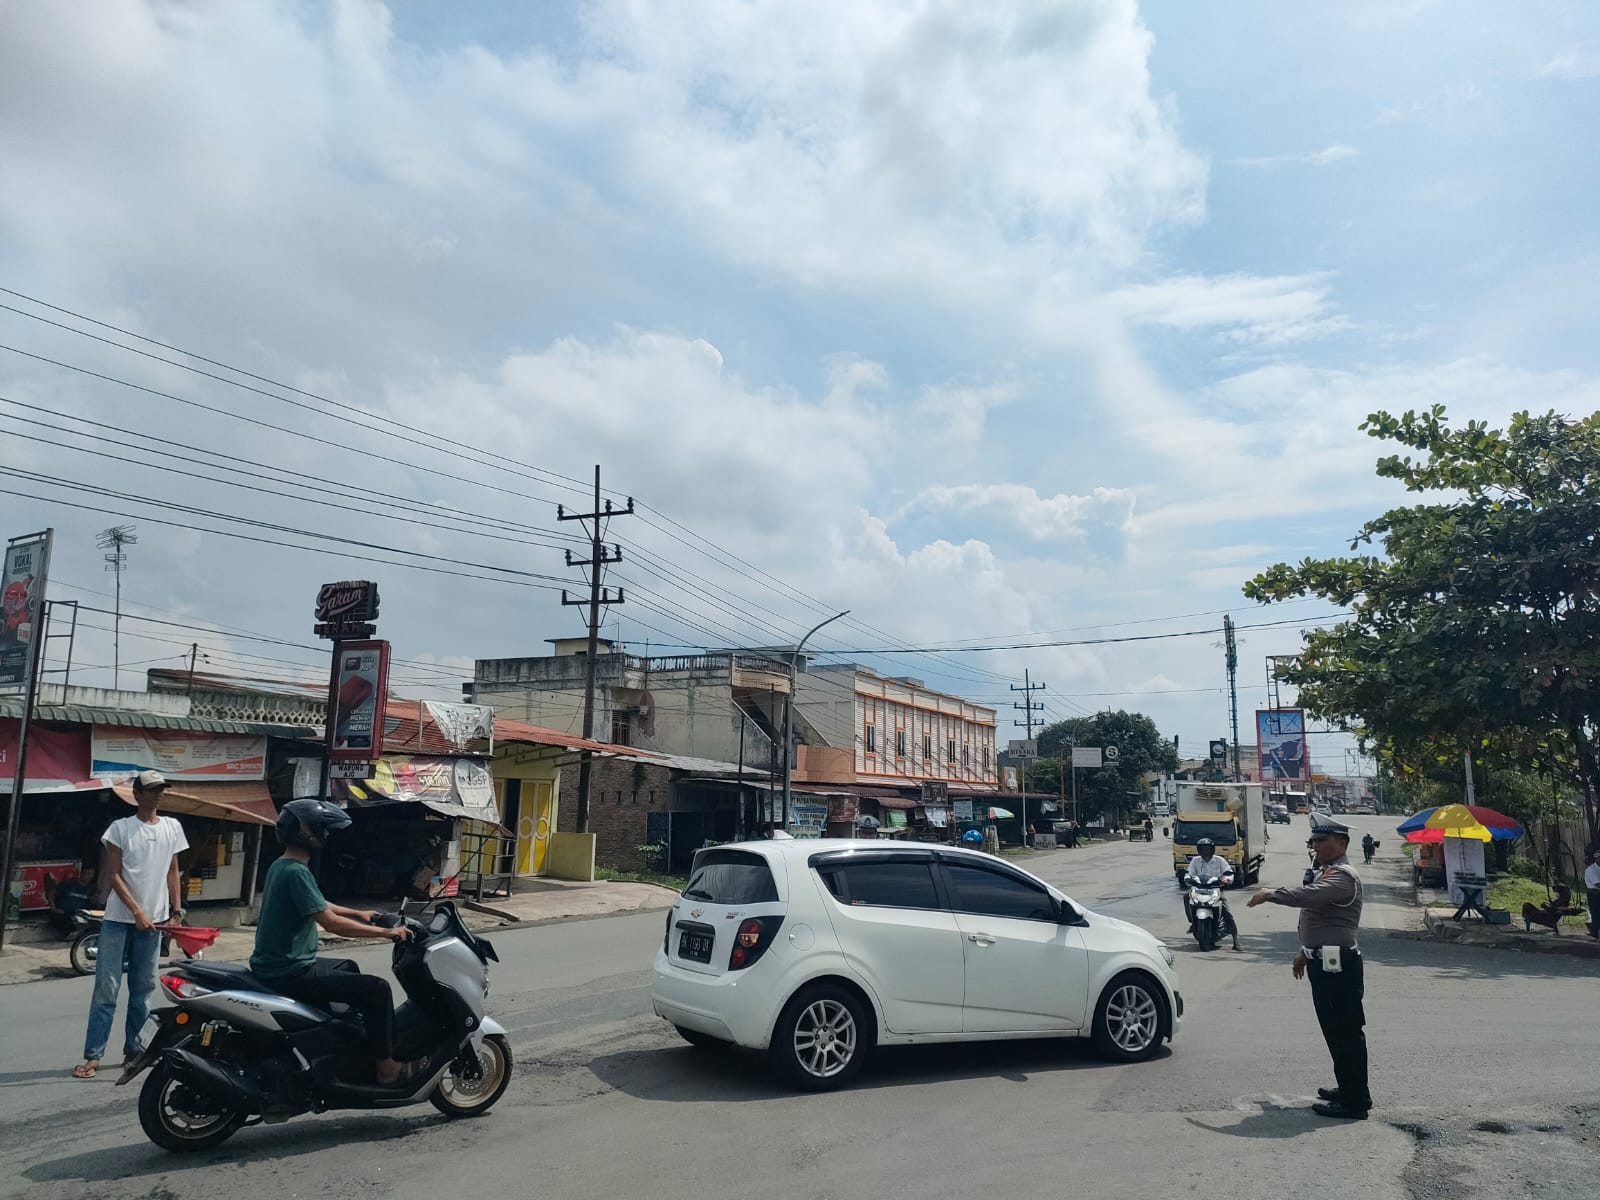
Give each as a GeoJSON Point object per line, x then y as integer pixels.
{"type": "Point", "coordinates": [788, 710]}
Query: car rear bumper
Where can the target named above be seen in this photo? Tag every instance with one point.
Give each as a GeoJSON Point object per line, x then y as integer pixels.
{"type": "Point", "coordinates": [733, 1007]}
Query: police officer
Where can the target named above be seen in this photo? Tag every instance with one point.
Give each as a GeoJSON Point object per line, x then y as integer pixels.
{"type": "Point", "coordinates": [1330, 912]}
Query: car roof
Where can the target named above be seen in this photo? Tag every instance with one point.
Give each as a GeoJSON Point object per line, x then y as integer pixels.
{"type": "Point", "coordinates": [805, 848]}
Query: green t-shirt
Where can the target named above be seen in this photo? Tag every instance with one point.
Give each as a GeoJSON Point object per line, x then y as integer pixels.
{"type": "Point", "coordinates": [286, 935]}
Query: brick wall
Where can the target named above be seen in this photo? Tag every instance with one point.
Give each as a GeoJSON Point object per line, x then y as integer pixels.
{"type": "Point", "coordinates": [621, 795]}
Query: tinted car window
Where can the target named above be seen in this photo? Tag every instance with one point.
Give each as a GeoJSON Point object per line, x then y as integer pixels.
{"type": "Point", "coordinates": [731, 877]}
{"type": "Point", "coordinates": [992, 894]}
{"type": "Point", "coordinates": [886, 884]}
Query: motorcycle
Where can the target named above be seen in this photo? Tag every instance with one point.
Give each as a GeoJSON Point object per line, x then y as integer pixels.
{"type": "Point", "coordinates": [1368, 849]}
{"type": "Point", "coordinates": [1206, 907]}
{"type": "Point", "coordinates": [231, 1053]}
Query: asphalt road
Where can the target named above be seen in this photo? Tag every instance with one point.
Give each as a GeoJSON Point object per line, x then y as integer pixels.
{"type": "Point", "coordinates": [1483, 1070]}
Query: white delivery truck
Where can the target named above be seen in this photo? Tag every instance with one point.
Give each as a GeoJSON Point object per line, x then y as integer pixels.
{"type": "Point", "coordinates": [1233, 815]}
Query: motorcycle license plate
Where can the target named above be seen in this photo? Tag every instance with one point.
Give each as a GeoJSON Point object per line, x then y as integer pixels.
{"type": "Point", "coordinates": [696, 947]}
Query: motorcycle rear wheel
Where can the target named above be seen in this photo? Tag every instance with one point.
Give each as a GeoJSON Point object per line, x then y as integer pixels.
{"type": "Point", "coordinates": [166, 1115]}
{"type": "Point", "coordinates": [459, 1097]}
{"type": "Point", "coordinates": [85, 950]}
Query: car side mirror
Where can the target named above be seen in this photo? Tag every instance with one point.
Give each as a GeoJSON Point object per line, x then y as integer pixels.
{"type": "Point", "coordinates": [1066, 914]}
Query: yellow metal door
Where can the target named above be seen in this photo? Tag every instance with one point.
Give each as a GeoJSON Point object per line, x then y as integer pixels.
{"type": "Point", "coordinates": [536, 821]}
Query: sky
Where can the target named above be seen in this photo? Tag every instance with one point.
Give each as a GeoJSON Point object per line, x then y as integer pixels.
{"type": "Point", "coordinates": [1001, 324]}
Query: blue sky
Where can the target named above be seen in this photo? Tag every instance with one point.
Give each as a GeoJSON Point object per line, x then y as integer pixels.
{"type": "Point", "coordinates": [981, 321]}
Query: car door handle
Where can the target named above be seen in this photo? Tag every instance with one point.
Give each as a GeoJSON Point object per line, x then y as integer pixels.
{"type": "Point", "coordinates": [983, 939]}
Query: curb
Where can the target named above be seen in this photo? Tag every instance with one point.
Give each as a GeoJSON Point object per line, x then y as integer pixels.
{"type": "Point", "coordinates": [1445, 930]}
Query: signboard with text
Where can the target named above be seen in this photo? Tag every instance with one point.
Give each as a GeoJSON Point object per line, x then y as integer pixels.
{"type": "Point", "coordinates": [117, 755]}
{"type": "Point", "coordinates": [347, 609]}
{"type": "Point", "coordinates": [357, 697]}
{"type": "Point", "coordinates": [1086, 756]}
{"type": "Point", "coordinates": [22, 582]}
{"type": "Point", "coordinates": [808, 820]}
{"type": "Point", "coordinates": [58, 759]}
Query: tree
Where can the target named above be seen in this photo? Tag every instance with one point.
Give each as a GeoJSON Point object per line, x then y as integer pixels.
{"type": "Point", "coordinates": [1108, 790]}
{"type": "Point", "coordinates": [1478, 627]}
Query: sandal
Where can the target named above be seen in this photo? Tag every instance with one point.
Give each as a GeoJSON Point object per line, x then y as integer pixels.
{"type": "Point", "coordinates": [87, 1070]}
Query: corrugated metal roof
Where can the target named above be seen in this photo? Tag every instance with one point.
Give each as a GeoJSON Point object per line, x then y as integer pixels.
{"type": "Point", "coordinates": [131, 718]}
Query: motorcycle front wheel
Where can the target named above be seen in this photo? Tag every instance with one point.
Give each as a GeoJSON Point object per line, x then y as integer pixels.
{"type": "Point", "coordinates": [458, 1096]}
{"type": "Point", "coordinates": [179, 1118]}
{"type": "Point", "coordinates": [1205, 933]}
{"type": "Point", "coordinates": [85, 950]}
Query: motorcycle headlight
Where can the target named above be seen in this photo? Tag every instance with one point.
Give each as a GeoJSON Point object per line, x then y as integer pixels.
{"type": "Point", "coordinates": [1166, 953]}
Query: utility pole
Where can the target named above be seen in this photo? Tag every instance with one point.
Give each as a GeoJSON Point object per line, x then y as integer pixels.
{"type": "Point", "coordinates": [594, 524]}
{"type": "Point", "coordinates": [1231, 649]}
{"type": "Point", "coordinates": [37, 614]}
{"type": "Point", "coordinates": [113, 540]}
{"type": "Point", "coordinates": [1028, 707]}
{"type": "Point", "coordinates": [194, 651]}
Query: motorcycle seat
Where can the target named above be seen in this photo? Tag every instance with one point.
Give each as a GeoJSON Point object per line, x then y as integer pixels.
{"type": "Point", "coordinates": [237, 977]}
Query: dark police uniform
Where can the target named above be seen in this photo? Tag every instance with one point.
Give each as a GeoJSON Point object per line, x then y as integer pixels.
{"type": "Point", "coordinates": [1330, 913]}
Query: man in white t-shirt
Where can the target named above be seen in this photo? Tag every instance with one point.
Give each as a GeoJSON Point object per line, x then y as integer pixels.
{"type": "Point", "coordinates": [141, 863]}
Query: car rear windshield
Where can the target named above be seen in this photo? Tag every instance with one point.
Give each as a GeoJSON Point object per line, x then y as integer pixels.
{"type": "Point", "coordinates": [731, 877]}
{"type": "Point", "coordinates": [1187, 833]}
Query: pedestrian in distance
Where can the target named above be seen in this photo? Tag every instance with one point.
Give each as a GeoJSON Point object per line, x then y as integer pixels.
{"type": "Point", "coordinates": [1369, 847]}
{"type": "Point", "coordinates": [1591, 882]}
{"type": "Point", "coordinates": [1330, 914]}
{"type": "Point", "coordinates": [141, 863]}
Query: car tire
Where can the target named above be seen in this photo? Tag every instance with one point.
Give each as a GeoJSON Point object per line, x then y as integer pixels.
{"type": "Point", "coordinates": [701, 1041]}
{"type": "Point", "coordinates": [821, 1038]}
{"type": "Point", "coordinates": [1129, 1020]}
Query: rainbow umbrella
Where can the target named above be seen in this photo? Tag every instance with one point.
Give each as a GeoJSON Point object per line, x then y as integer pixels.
{"type": "Point", "coordinates": [1433, 825]}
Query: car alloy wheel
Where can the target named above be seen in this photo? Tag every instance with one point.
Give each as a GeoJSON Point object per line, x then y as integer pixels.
{"type": "Point", "coordinates": [825, 1038]}
{"type": "Point", "coordinates": [1132, 1018]}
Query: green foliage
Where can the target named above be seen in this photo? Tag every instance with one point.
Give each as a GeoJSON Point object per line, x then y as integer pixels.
{"type": "Point", "coordinates": [654, 855]}
{"type": "Point", "coordinates": [1476, 628]}
{"type": "Point", "coordinates": [1112, 790]}
{"type": "Point", "coordinates": [1512, 894]}
{"type": "Point", "coordinates": [1527, 868]}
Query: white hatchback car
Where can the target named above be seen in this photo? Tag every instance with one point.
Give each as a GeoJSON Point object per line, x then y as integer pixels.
{"type": "Point", "coordinates": [818, 950]}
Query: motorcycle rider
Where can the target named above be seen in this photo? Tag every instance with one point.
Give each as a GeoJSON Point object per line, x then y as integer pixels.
{"type": "Point", "coordinates": [1206, 868]}
{"type": "Point", "coordinates": [292, 907]}
{"type": "Point", "coordinates": [1369, 847]}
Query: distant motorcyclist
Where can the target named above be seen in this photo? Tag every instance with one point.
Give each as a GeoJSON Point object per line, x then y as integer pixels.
{"type": "Point", "coordinates": [1205, 867]}
{"type": "Point", "coordinates": [285, 958]}
{"type": "Point", "coordinates": [1369, 847]}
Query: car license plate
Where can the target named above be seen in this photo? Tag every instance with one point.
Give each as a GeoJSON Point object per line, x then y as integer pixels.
{"type": "Point", "coordinates": [695, 946]}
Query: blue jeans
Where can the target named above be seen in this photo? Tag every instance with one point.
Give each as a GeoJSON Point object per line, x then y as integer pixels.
{"type": "Point", "coordinates": [121, 944]}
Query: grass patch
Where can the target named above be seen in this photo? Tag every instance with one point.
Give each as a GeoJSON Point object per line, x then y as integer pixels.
{"type": "Point", "coordinates": [1512, 893]}
{"type": "Point", "coordinates": [610, 875]}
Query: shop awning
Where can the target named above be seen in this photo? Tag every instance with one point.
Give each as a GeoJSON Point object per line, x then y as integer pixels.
{"type": "Point", "coordinates": [203, 800]}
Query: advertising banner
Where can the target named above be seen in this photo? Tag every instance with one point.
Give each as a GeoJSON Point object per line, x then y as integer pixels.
{"type": "Point", "coordinates": [1281, 743]}
{"type": "Point", "coordinates": [22, 579]}
{"type": "Point", "coordinates": [58, 759]}
{"type": "Point", "coordinates": [119, 754]}
{"type": "Point", "coordinates": [1086, 756]}
{"type": "Point", "coordinates": [357, 696]}
{"type": "Point", "coordinates": [458, 787]}
{"type": "Point", "coordinates": [961, 810]}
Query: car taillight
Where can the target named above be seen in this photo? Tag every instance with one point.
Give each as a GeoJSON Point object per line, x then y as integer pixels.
{"type": "Point", "coordinates": [751, 941]}
{"type": "Point", "coordinates": [666, 934]}
{"type": "Point", "coordinates": [180, 988]}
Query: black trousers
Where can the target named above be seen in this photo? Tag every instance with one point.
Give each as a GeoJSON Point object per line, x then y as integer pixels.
{"type": "Point", "coordinates": [339, 980]}
{"type": "Point", "coordinates": [1338, 998]}
{"type": "Point", "coordinates": [1594, 911]}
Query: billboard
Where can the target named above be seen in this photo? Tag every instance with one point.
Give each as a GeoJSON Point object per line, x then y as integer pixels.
{"type": "Point", "coordinates": [58, 759]}
{"type": "Point", "coordinates": [1086, 756]}
{"type": "Point", "coordinates": [117, 755]}
{"type": "Point", "coordinates": [358, 694]}
{"type": "Point", "coordinates": [1281, 744]}
{"type": "Point", "coordinates": [22, 579]}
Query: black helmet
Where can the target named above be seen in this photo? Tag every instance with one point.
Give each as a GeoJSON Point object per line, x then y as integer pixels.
{"type": "Point", "coordinates": [1202, 844]}
{"type": "Point", "coordinates": [307, 823]}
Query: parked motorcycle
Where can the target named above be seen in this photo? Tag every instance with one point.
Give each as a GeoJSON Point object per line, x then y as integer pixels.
{"type": "Point", "coordinates": [84, 952]}
{"type": "Point", "coordinates": [231, 1052]}
{"type": "Point", "coordinates": [1206, 907]}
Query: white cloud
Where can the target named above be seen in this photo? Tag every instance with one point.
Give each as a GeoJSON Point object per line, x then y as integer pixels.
{"type": "Point", "coordinates": [1576, 62]}
{"type": "Point", "coordinates": [1263, 309]}
{"type": "Point", "coordinates": [1043, 518]}
{"type": "Point", "coordinates": [1326, 157]}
